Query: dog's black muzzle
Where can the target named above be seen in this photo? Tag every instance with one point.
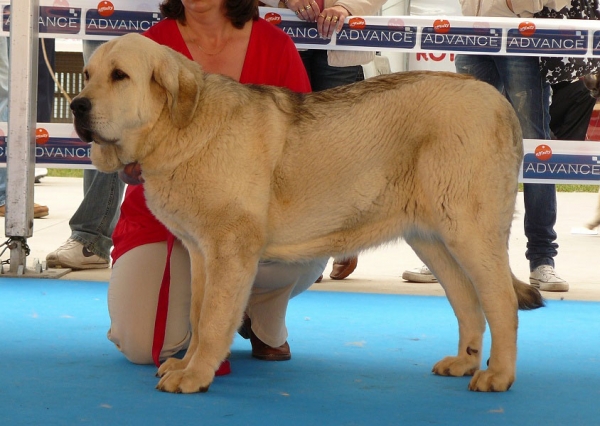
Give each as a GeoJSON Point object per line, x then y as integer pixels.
{"type": "Point", "coordinates": [81, 108]}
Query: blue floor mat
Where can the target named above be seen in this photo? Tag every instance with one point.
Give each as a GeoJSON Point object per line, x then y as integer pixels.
{"type": "Point", "coordinates": [358, 359]}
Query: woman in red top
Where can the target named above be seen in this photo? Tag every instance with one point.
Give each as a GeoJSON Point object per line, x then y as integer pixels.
{"type": "Point", "coordinates": [228, 38]}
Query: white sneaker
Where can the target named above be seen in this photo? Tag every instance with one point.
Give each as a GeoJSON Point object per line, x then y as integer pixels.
{"type": "Point", "coordinates": [419, 275]}
{"type": "Point", "coordinates": [74, 255]}
{"type": "Point", "coordinates": [544, 277]}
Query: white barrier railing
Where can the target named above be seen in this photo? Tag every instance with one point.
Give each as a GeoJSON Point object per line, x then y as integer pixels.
{"type": "Point", "coordinates": [545, 161]}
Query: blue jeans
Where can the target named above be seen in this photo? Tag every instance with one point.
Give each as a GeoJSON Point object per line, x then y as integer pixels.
{"type": "Point", "coordinates": [94, 221]}
{"type": "Point", "coordinates": [323, 76]}
{"type": "Point", "coordinates": [520, 80]}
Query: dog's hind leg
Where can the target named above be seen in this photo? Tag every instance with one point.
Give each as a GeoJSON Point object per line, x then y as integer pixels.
{"type": "Point", "coordinates": [481, 251]}
{"type": "Point", "coordinates": [464, 301]}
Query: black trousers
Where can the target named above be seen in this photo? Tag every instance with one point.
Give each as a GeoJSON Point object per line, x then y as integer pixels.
{"type": "Point", "coordinates": [571, 110]}
{"type": "Point", "coordinates": [45, 100]}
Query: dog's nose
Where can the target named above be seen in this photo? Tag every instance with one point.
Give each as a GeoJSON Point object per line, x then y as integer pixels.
{"type": "Point", "coordinates": [81, 106]}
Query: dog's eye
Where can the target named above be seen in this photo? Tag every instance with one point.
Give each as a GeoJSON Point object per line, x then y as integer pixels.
{"type": "Point", "coordinates": [86, 75]}
{"type": "Point", "coordinates": [118, 75]}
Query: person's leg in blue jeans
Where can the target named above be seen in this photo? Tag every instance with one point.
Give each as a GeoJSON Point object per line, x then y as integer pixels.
{"type": "Point", "coordinates": [520, 80]}
{"type": "Point", "coordinates": [93, 223]}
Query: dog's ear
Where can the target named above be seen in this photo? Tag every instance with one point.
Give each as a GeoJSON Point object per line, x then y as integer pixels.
{"type": "Point", "coordinates": [180, 83]}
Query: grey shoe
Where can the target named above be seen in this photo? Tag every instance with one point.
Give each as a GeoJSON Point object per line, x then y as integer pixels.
{"type": "Point", "coordinates": [74, 255]}
{"type": "Point", "coordinates": [544, 277]}
{"type": "Point", "coordinates": [419, 275]}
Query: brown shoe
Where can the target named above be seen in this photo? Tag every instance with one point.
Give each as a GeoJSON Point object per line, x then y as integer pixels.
{"type": "Point", "coordinates": [38, 211]}
{"type": "Point", "coordinates": [261, 350]}
{"type": "Point", "coordinates": [343, 268]}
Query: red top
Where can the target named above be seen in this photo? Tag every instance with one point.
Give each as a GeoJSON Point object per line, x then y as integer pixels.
{"type": "Point", "coordinates": [271, 59]}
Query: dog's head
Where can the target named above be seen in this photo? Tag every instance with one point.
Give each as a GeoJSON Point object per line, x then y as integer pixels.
{"type": "Point", "coordinates": [133, 86]}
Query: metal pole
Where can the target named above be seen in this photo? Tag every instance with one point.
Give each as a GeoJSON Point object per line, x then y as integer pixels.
{"type": "Point", "coordinates": [22, 102]}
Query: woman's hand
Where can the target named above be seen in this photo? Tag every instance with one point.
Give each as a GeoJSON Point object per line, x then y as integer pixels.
{"type": "Point", "coordinates": [331, 19]}
{"type": "Point", "coordinates": [307, 10]}
{"type": "Point", "coordinates": [132, 174]}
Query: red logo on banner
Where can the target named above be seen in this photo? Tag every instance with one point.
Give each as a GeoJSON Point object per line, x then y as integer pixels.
{"type": "Point", "coordinates": [41, 136]}
{"type": "Point", "coordinates": [434, 57]}
{"type": "Point", "coordinates": [357, 23]}
{"type": "Point", "coordinates": [105, 8]}
{"type": "Point", "coordinates": [273, 18]}
{"type": "Point", "coordinates": [441, 26]}
{"type": "Point", "coordinates": [543, 152]}
{"type": "Point", "coordinates": [527, 28]}
{"type": "Point", "coordinates": [395, 23]}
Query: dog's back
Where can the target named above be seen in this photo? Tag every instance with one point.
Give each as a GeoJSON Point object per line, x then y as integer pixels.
{"type": "Point", "coordinates": [409, 152]}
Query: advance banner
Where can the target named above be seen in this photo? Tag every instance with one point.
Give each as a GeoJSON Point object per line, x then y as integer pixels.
{"type": "Point", "coordinates": [561, 162]}
{"type": "Point", "coordinates": [568, 162]}
{"type": "Point", "coordinates": [57, 145]}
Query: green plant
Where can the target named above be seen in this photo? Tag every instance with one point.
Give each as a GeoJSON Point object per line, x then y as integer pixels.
{"type": "Point", "coordinates": [65, 172]}
{"type": "Point", "coordinates": [571, 188]}
{"type": "Point", "coordinates": [577, 188]}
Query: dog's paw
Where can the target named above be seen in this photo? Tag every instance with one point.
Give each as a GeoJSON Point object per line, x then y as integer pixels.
{"type": "Point", "coordinates": [592, 225]}
{"type": "Point", "coordinates": [456, 366]}
{"type": "Point", "coordinates": [186, 381]}
{"type": "Point", "coordinates": [171, 364]}
{"type": "Point", "coordinates": [489, 381]}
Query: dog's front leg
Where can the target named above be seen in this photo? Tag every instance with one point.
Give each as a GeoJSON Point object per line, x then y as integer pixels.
{"type": "Point", "coordinates": [216, 312]}
{"type": "Point", "coordinates": [198, 282]}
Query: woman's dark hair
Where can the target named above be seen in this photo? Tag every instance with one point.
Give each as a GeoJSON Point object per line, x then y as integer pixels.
{"type": "Point", "coordinates": [238, 11]}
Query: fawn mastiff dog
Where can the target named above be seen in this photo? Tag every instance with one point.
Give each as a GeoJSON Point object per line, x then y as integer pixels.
{"type": "Point", "coordinates": [241, 173]}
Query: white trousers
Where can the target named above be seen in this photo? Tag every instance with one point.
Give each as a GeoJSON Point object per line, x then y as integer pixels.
{"type": "Point", "coordinates": [133, 296]}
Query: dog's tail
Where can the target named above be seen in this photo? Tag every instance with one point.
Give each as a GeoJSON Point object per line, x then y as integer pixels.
{"type": "Point", "coordinates": [528, 296]}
